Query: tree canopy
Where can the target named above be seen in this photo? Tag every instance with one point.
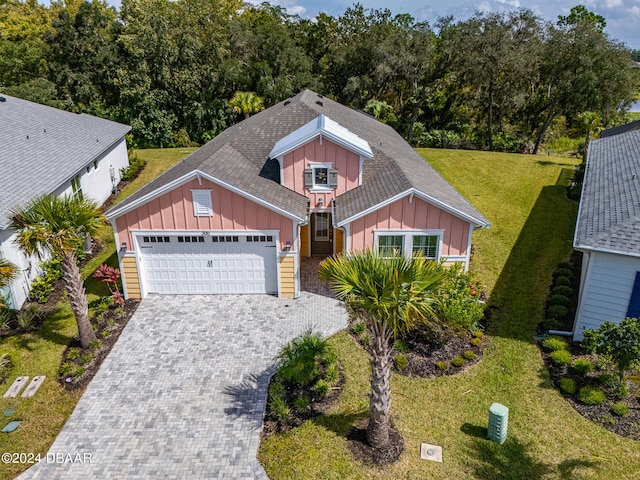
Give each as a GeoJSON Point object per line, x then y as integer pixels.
{"type": "Point", "coordinates": [170, 68]}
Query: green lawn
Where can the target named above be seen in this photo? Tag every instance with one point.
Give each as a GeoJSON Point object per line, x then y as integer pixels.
{"type": "Point", "coordinates": [44, 415]}
{"type": "Point", "coordinates": [532, 228]}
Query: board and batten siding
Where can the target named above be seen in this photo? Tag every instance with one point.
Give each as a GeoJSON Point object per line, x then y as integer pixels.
{"type": "Point", "coordinates": [606, 290]}
{"type": "Point", "coordinates": [346, 162]}
{"type": "Point", "coordinates": [131, 277]}
{"type": "Point", "coordinates": [412, 214]}
{"type": "Point", "coordinates": [287, 277]}
{"type": "Point", "coordinates": [174, 211]}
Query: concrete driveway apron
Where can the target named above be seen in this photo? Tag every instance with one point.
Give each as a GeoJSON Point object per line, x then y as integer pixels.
{"type": "Point", "coordinates": [182, 393]}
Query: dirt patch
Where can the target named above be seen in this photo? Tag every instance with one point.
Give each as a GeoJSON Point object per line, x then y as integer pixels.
{"type": "Point", "coordinates": [357, 441]}
{"type": "Point", "coordinates": [625, 426]}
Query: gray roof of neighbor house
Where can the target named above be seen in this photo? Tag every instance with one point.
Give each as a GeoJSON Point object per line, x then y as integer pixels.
{"type": "Point", "coordinates": [239, 156]}
{"type": "Point", "coordinates": [609, 215]}
{"type": "Point", "coordinates": [627, 127]}
{"type": "Point", "coordinates": [42, 147]}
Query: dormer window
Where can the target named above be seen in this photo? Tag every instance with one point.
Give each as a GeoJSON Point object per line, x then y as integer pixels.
{"type": "Point", "coordinates": [320, 177]}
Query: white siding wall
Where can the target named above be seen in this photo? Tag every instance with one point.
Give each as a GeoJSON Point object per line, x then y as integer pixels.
{"type": "Point", "coordinates": [608, 283]}
{"type": "Point", "coordinates": [96, 184]}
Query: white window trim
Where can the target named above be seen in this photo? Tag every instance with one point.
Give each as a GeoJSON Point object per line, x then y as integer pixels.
{"type": "Point", "coordinates": [407, 239]}
{"type": "Point", "coordinates": [320, 188]}
{"type": "Point", "coordinates": [198, 196]}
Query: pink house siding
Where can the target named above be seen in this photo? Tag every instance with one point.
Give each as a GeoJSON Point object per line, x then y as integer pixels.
{"type": "Point", "coordinates": [346, 162]}
{"type": "Point", "coordinates": [174, 211]}
{"type": "Point", "coordinates": [417, 215]}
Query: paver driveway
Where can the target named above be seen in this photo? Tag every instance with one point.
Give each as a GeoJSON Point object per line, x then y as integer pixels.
{"type": "Point", "coordinates": [182, 393]}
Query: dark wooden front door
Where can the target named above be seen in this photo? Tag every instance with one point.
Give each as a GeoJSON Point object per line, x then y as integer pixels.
{"type": "Point", "coordinates": [321, 234]}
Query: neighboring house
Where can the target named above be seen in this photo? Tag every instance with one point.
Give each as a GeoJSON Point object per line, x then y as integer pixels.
{"type": "Point", "coordinates": [627, 127]}
{"type": "Point", "coordinates": [46, 150]}
{"type": "Point", "coordinates": [305, 177]}
{"type": "Point", "coordinates": [608, 233]}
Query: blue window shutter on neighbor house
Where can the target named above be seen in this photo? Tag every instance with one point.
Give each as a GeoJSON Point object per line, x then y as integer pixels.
{"type": "Point", "coordinates": [634, 304]}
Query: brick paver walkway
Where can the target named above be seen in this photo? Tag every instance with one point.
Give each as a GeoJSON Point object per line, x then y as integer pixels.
{"type": "Point", "coordinates": [182, 393]}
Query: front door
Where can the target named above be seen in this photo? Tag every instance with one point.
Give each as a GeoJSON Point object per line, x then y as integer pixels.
{"type": "Point", "coordinates": [321, 234]}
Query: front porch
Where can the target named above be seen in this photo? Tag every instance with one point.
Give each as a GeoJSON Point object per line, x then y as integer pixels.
{"type": "Point", "coordinates": [309, 279]}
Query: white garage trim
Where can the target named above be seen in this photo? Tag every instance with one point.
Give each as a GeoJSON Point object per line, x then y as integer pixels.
{"type": "Point", "coordinates": [207, 279]}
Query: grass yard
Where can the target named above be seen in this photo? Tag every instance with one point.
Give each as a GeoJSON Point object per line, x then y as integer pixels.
{"type": "Point", "coordinates": [532, 230]}
{"type": "Point", "coordinates": [39, 353]}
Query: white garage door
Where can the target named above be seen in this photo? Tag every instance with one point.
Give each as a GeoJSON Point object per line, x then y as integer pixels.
{"type": "Point", "coordinates": [212, 264]}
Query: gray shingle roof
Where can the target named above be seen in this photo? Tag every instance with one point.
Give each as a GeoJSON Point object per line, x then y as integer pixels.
{"type": "Point", "coordinates": [42, 147]}
{"type": "Point", "coordinates": [609, 216]}
{"type": "Point", "coordinates": [394, 168]}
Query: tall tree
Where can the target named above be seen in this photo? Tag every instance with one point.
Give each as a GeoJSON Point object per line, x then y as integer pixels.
{"type": "Point", "coordinates": [390, 294]}
{"type": "Point", "coordinates": [49, 225]}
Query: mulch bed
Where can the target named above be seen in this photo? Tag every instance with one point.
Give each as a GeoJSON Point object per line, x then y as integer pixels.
{"type": "Point", "coordinates": [357, 441]}
{"type": "Point", "coordinates": [625, 426]}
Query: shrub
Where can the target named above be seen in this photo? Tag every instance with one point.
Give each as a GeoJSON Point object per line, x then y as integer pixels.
{"type": "Point", "coordinates": [622, 390]}
{"type": "Point", "coordinates": [557, 299]}
{"type": "Point", "coordinates": [478, 334]}
{"type": "Point", "coordinates": [66, 369]}
{"type": "Point", "coordinates": [619, 343]}
{"type": "Point", "coordinates": [42, 286]}
{"type": "Point", "coordinates": [300, 359]}
{"type": "Point", "coordinates": [332, 375]}
{"type": "Point", "coordinates": [567, 385]}
{"type": "Point", "coordinates": [86, 358]}
{"type": "Point", "coordinates": [5, 320]}
{"type": "Point", "coordinates": [105, 333]}
{"type": "Point", "coordinates": [553, 344]}
{"type": "Point", "coordinates": [457, 362]}
{"type": "Point", "coordinates": [442, 366]}
{"type": "Point", "coordinates": [565, 266]}
{"type": "Point", "coordinates": [563, 281]}
{"type": "Point", "coordinates": [608, 380]}
{"type": "Point", "coordinates": [458, 307]}
{"type": "Point", "coordinates": [558, 311]}
{"type": "Point", "coordinates": [469, 355]}
{"type": "Point", "coordinates": [276, 389]}
{"type": "Point", "coordinates": [476, 342]}
{"type": "Point", "coordinates": [582, 365]}
{"type": "Point", "coordinates": [359, 328]}
{"type": "Point", "coordinates": [365, 339]}
{"type": "Point", "coordinates": [279, 408]}
{"type": "Point", "coordinates": [109, 275]}
{"type": "Point", "coordinates": [563, 290]}
{"type": "Point", "coordinates": [73, 353]}
{"type": "Point", "coordinates": [399, 346]}
{"type": "Point", "coordinates": [564, 272]}
{"type": "Point", "coordinates": [95, 344]}
{"type": "Point", "coordinates": [400, 362]}
{"type": "Point", "coordinates": [301, 404]}
{"type": "Point", "coordinates": [561, 357]}
{"type": "Point", "coordinates": [135, 166]}
{"type": "Point", "coordinates": [620, 409]}
{"type": "Point", "coordinates": [321, 388]}
{"type": "Point", "coordinates": [28, 315]}
{"type": "Point", "coordinates": [591, 396]}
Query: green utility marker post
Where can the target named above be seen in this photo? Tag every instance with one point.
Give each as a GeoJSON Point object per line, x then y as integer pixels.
{"type": "Point", "coordinates": [498, 420]}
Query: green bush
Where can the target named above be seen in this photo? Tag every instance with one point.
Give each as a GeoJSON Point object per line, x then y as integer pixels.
{"type": "Point", "coordinates": [279, 408]}
{"type": "Point", "coordinates": [457, 362]}
{"type": "Point", "coordinates": [5, 320]}
{"type": "Point", "coordinates": [42, 286]}
{"type": "Point", "coordinates": [582, 365]}
{"type": "Point", "coordinates": [469, 355]}
{"type": "Point", "coordinates": [300, 359]}
{"type": "Point", "coordinates": [478, 334]}
{"type": "Point", "coordinates": [618, 343]}
{"type": "Point", "coordinates": [557, 299]}
{"type": "Point", "coordinates": [95, 344]}
{"type": "Point", "coordinates": [476, 342]}
{"type": "Point", "coordinates": [135, 166]}
{"type": "Point", "coordinates": [73, 353]}
{"type": "Point", "coordinates": [458, 307]}
{"type": "Point", "coordinates": [332, 375]}
{"type": "Point", "coordinates": [553, 344]}
{"type": "Point", "coordinates": [77, 372]}
{"type": "Point", "coordinates": [558, 311]}
{"type": "Point", "coordinates": [567, 385]}
{"type": "Point", "coordinates": [620, 409]}
{"type": "Point", "coordinates": [276, 389]}
{"type": "Point", "coordinates": [400, 362]}
{"type": "Point", "coordinates": [301, 404]}
{"type": "Point", "coordinates": [66, 369]}
{"type": "Point", "coordinates": [563, 290]}
{"type": "Point", "coordinates": [359, 327]}
{"type": "Point", "coordinates": [561, 357]}
{"type": "Point", "coordinates": [399, 345]}
{"type": "Point", "coordinates": [591, 396]}
{"type": "Point", "coordinates": [565, 265]}
{"type": "Point", "coordinates": [608, 380]}
{"type": "Point", "coordinates": [560, 281]}
{"type": "Point", "coordinates": [442, 366]}
{"type": "Point", "coordinates": [321, 388]}
{"type": "Point", "coordinates": [86, 358]}
{"type": "Point", "coordinates": [564, 272]}
{"type": "Point", "coordinates": [28, 315]}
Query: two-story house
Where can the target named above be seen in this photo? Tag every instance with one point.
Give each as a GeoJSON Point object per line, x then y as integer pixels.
{"type": "Point", "coordinates": [306, 177]}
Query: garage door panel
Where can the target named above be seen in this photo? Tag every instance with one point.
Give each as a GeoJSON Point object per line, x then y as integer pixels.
{"type": "Point", "coordinates": [224, 266]}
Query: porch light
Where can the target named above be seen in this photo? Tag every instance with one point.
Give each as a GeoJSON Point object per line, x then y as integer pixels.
{"type": "Point", "coordinates": [123, 247]}
{"type": "Point", "coordinates": [321, 201]}
{"type": "Point", "coordinates": [287, 246]}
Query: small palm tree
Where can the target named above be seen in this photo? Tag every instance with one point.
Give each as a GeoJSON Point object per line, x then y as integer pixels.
{"type": "Point", "coordinates": [58, 227]}
{"type": "Point", "coordinates": [390, 294]}
{"type": "Point", "coordinates": [246, 103]}
{"type": "Point", "coordinates": [8, 271]}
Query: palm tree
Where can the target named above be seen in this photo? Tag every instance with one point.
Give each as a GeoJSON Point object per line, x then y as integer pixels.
{"type": "Point", "coordinates": [58, 227]}
{"type": "Point", "coordinates": [8, 271]}
{"type": "Point", "coordinates": [246, 103]}
{"type": "Point", "coordinates": [390, 294]}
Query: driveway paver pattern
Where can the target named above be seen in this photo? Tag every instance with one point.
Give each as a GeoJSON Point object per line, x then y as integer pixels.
{"type": "Point", "coordinates": [182, 393]}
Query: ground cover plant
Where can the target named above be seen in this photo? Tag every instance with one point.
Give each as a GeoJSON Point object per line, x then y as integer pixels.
{"type": "Point", "coordinates": [532, 228]}
{"type": "Point", "coordinates": [41, 352]}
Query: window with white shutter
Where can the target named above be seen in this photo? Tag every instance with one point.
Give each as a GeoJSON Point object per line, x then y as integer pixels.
{"type": "Point", "coordinates": [202, 206]}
